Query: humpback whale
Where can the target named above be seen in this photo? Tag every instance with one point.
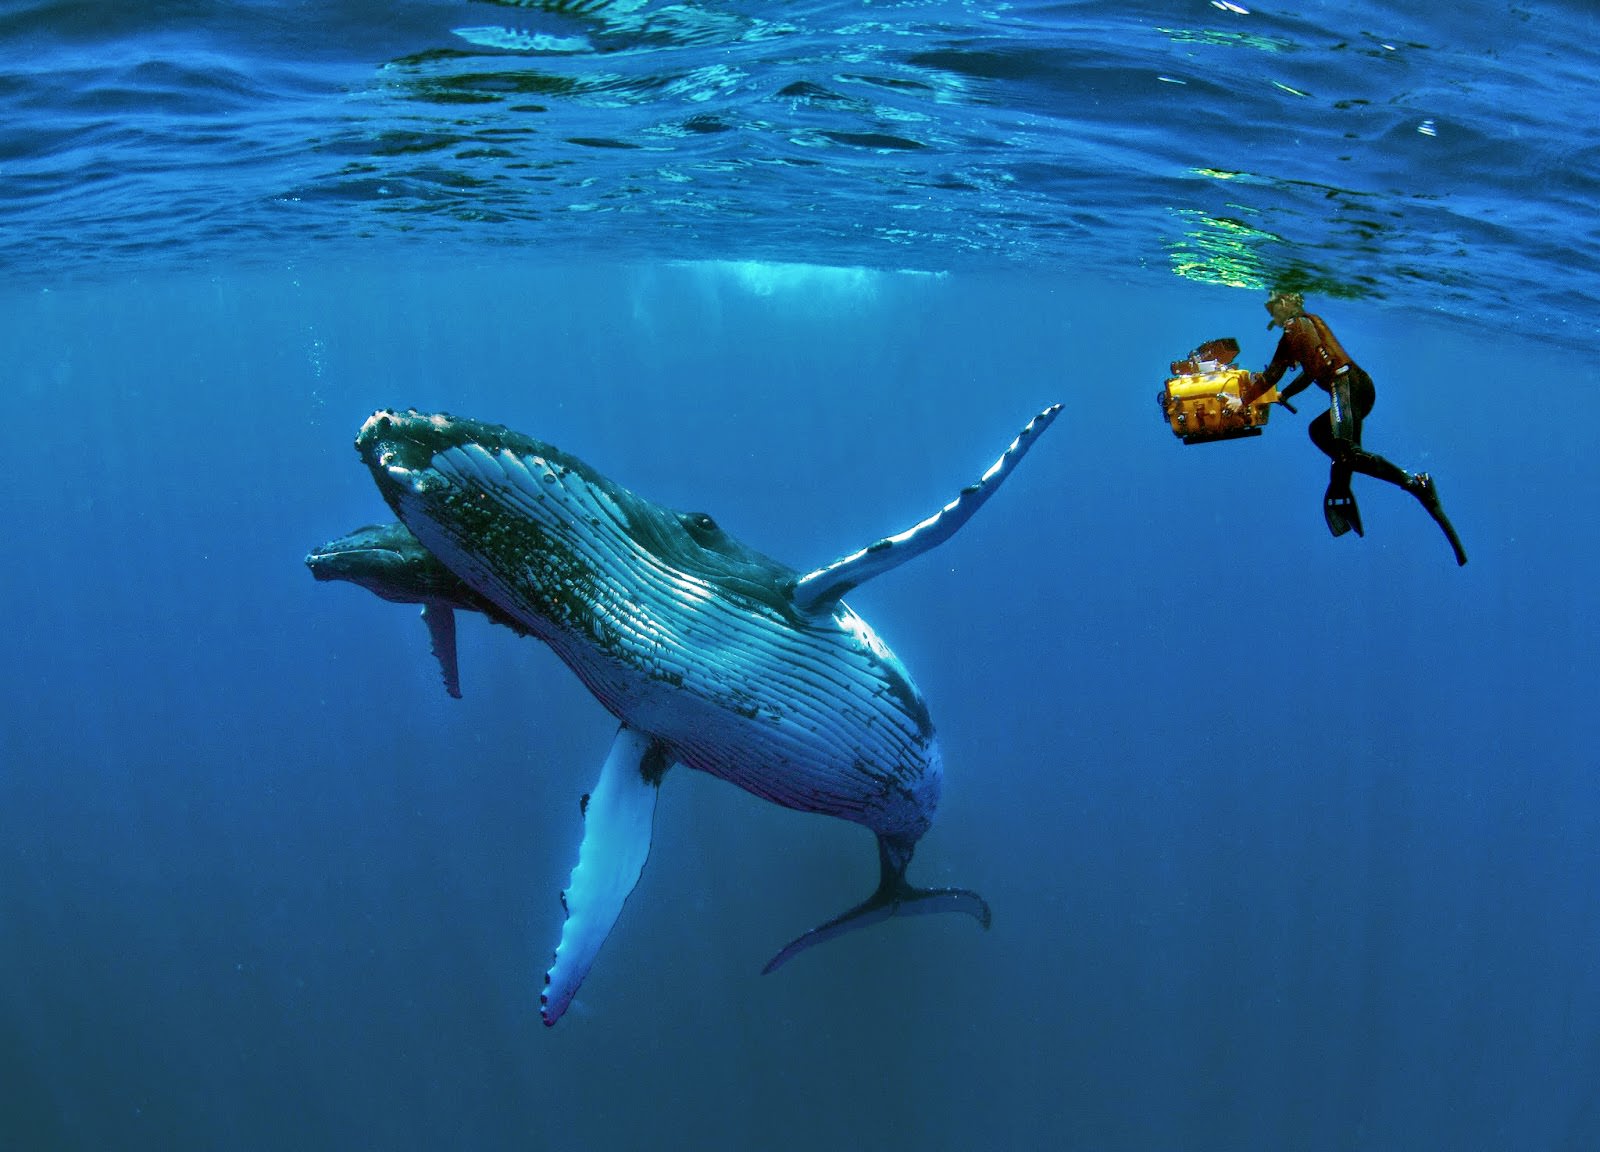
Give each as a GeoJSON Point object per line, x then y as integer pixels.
{"type": "Point", "coordinates": [387, 560]}
{"type": "Point", "coordinates": [709, 654]}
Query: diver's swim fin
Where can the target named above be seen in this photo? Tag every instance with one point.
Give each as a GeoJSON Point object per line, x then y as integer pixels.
{"type": "Point", "coordinates": [1427, 493]}
{"type": "Point", "coordinates": [1340, 511]}
{"type": "Point", "coordinates": [894, 897]}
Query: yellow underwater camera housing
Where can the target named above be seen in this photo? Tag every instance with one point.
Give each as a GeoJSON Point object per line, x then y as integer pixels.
{"type": "Point", "coordinates": [1204, 400]}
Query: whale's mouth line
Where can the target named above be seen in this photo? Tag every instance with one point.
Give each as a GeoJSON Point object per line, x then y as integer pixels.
{"type": "Point", "coordinates": [403, 476]}
{"type": "Point", "coordinates": [342, 553]}
{"type": "Point", "coordinates": [338, 563]}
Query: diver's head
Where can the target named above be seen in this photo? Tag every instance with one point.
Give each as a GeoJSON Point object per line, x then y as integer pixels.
{"type": "Point", "coordinates": [1284, 305]}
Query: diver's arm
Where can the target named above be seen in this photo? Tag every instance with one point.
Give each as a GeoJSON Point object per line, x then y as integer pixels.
{"type": "Point", "coordinates": [1253, 387]}
{"type": "Point", "coordinates": [1285, 356]}
{"type": "Point", "coordinates": [1260, 383]}
{"type": "Point", "coordinates": [1298, 385]}
{"type": "Point", "coordinates": [1258, 386]}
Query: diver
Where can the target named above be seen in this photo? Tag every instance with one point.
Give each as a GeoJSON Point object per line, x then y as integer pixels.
{"type": "Point", "coordinates": [1308, 342]}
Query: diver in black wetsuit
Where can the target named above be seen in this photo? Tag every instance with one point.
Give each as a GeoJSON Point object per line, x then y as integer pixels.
{"type": "Point", "coordinates": [1308, 342]}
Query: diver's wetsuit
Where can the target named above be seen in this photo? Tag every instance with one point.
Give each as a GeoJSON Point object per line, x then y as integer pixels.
{"type": "Point", "coordinates": [1308, 342]}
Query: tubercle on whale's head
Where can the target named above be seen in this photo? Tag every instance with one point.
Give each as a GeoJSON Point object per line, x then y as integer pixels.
{"type": "Point", "coordinates": [410, 439]}
{"type": "Point", "coordinates": [399, 446]}
{"type": "Point", "coordinates": [406, 440]}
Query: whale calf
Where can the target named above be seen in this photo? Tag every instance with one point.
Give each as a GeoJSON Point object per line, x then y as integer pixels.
{"type": "Point", "coordinates": [709, 653]}
{"type": "Point", "coordinates": [390, 562]}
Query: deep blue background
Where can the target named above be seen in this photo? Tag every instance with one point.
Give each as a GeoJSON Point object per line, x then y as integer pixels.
{"type": "Point", "coordinates": [1292, 842]}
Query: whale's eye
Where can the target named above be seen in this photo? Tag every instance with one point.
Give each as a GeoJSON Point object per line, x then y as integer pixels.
{"type": "Point", "coordinates": [701, 526]}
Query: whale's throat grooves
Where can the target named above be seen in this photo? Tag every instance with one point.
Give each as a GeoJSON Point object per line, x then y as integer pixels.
{"type": "Point", "coordinates": [691, 645]}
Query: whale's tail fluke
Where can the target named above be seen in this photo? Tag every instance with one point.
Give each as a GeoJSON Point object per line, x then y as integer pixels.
{"type": "Point", "coordinates": [894, 897]}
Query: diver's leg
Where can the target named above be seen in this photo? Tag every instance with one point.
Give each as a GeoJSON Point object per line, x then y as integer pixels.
{"type": "Point", "coordinates": [1427, 493]}
{"type": "Point", "coordinates": [1371, 464]}
{"type": "Point", "coordinates": [1321, 432]}
{"type": "Point", "coordinates": [1344, 418]}
{"type": "Point", "coordinates": [1352, 397]}
{"type": "Point", "coordinates": [1338, 505]}
{"type": "Point", "coordinates": [1360, 397]}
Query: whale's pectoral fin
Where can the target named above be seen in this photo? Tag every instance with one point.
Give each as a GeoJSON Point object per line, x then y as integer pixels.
{"type": "Point", "coordinates": [818, 591]}
{"type": "Point", "coordinates": [894, 897]}
{"type": "Point", "coordinates": [441, 622]}
{"type": "Point", "coordinates": [617, 820]}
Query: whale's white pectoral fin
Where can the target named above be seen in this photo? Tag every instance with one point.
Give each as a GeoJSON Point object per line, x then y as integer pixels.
{"type": "Point", "coordinates": [617, 820]}
{"type": "Point", "coordinates": [818, 591]}
{"type": "Point", "coordinates": [441, 622]}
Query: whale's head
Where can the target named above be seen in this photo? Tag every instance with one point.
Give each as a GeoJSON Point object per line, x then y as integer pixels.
{"type": "Point", "coordinates": [387, 560]}
{"type": "Point", "coordinates": [545, 536]}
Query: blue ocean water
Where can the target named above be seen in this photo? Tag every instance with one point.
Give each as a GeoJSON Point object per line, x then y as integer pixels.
{"type": "Point", "coordinates": [1292, 841]}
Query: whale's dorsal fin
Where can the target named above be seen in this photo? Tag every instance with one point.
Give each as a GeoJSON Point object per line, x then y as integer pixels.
{"type": "Point", "coordinates": [818, 591]}
{"type": "Point", "coordinates": [441, 621]}
{"type": "Point", "coordinates": [618, 818]}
